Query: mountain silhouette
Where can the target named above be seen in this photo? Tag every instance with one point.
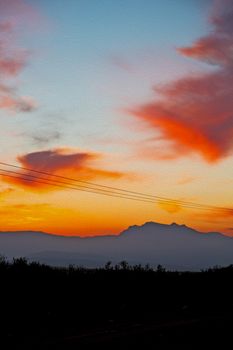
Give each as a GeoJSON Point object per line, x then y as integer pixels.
{"type": "Point", "coordinates": [173, 246]}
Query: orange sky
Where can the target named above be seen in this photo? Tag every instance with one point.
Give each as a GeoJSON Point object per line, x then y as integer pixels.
{"type": "Point", "coordinates": [151, 114]}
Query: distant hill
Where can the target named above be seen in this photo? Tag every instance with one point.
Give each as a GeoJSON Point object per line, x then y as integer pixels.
{"type": "Point", "coordinates": [173, 246]}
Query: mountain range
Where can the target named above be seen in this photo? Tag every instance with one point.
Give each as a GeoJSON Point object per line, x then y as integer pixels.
{"type": "Point", "coordinates": [176, 247]}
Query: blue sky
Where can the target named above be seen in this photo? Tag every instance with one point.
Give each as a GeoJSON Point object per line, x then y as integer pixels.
{"type": "Point", "coordinates": [72, 71]}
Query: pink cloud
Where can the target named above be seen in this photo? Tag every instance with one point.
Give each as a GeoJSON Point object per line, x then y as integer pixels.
{"type": "Point", "coordinates": [17, 104]}
{"type": "Point", "coordinates": [194, 114]}
{"type": "Point", "coordinates": [12, 58]}
{"type": "Point", "coordinates": [19, 11]}
{"type": "Point", "coordinates": [11, 66]}
{"type": "Point", "coordinates": [5, 27]}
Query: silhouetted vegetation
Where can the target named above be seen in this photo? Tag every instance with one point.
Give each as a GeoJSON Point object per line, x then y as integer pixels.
{"type": "Point", "coordinates": [46, 307]}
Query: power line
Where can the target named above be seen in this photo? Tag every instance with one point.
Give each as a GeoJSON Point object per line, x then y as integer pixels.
{"type": "Point", "coordinates": [91, 189]}
{"type": "Point", "coordinates": [64, 183]}
{"type": "Point", "coordinates": [107, 187]}
{"type": "Point", "coordinates": [72, 188]}
{"type": "Point", "coordinates": [36, 179]}
{"type": "Point", "coordinates": [102, 189]}
{"type": "Point", "coordinates": [163, 200]}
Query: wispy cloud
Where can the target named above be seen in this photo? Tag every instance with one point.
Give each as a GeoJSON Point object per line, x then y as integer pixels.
{"type": "Point", "coordinates": [25, 214]}
{"type": "Point", "coordinates": [213, 216]}
{"type": "Point", "coordinates": [13, 59]}
{"type": "Point", "coordinates": [194, 114]}
{"type": "Point", "coordinates": [121, 63]}
{"type": "Point", "coordinates": [44, 138]}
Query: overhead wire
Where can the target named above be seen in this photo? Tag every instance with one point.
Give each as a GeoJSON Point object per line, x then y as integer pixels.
{"type": "Point", "coordinates": [54, 183]}
{"type": "Point", "coordinates": [92, 187]}
{"type": "Point", "coordinates": [36, 179]}
{"type": "Point", "coordinates": [100, 191]}
{"type": "Point", "coordinates": [102, 186]}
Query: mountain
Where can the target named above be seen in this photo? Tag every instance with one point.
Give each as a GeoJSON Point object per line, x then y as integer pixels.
{"type": "Point", "coordinates": [173, 246]}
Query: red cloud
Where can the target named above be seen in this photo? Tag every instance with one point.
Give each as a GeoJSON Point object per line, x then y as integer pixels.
{"type": "Point", "coordinates": [215, 49]}
{"type": "Point", "coordinates": [12, 59]}
{"type": "Point", "coordinates": [59, 162]}
{"type": "Point", "coordinates": [195, 114]}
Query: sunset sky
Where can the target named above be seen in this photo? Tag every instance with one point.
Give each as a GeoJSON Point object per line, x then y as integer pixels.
{"type": "Point", "coordinates": [132, 94]}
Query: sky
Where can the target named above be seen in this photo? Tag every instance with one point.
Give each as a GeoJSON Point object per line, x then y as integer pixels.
{"type": "Point", "coordinates": [133, 94]}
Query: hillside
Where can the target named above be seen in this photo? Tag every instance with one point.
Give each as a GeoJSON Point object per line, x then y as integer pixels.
{"type": "Point", "coordinates": [174, 246]}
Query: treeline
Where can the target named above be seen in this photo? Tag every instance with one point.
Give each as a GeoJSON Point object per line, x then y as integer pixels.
{"type": "Point", "coordinates": [109, 266]}
{"type": "Point", "coordinates": [45, 305]}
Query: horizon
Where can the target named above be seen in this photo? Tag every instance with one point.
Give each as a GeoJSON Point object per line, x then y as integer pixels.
{"type": "Point", "coordinates": [176, 247]}
{"type": "Point", "coordinates": [173, 224]}
{"type": "Point", "coordinates": [116, 113]}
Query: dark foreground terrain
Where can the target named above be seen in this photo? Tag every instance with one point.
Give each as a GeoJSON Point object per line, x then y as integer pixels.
{"type": "Point", "coordinates": [113, 307]}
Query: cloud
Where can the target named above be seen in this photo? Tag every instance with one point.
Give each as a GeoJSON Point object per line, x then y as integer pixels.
{"type": "Point", "coordinates": [12, 58]}
{"type": "Point", "coordinates": [54, 160]}
{"type": "Point", "coordinates": [17, 104]}
{"type": "Point", "coordinates": [18, 213]}
{"type": "Point", "coordinates": [213, 216]}
{"type": "Point", "coordinates": [19, 12]}
{"type": "Point", "coordinates": [11, 66]}
{"type": "Point", "coordinates": [46, 137]}
{"type": "Point", "coordinates": [62, 161]}
{"type": "Point", "coordinates": [226, 213]}
{"type": "Point", "coordinates": [121, 63]}
{"type": "Point", "coordinates": [42, 137]}
{"type": "Point", "coordinates": [194, 114]}
{"type": "Point", "coordinates": [170, 207]}
{"type": "Point", "coordinates": [5, 27]}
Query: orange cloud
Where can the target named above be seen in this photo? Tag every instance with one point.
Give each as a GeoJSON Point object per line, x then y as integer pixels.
{"type": "Point", "coordinates": [213, 216]}
{"type": "Point", "coordinates": [61, 162]}
{"type": "Point", "coordinates": [12, 59]}
{"type": "Point", "coordinates": [220, 214]}
{"type": "Point", "coordinates": [170, 207]}
{"type": "Point", "coordinates": [194, 113]}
